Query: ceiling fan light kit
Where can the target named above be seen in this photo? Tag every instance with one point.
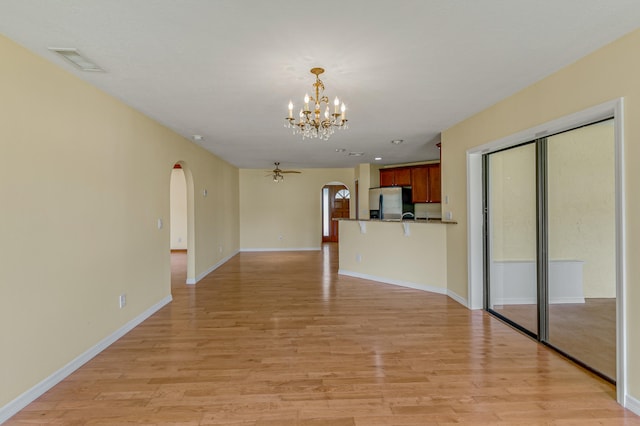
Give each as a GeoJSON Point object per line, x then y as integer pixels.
{"type": "Point", "coordinates": [278, 175]}
{"type": "Point", "coordinates": [311, 124]}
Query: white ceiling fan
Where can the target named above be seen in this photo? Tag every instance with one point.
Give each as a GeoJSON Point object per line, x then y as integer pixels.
{"type": "Point", "coordinates": [278, 174]}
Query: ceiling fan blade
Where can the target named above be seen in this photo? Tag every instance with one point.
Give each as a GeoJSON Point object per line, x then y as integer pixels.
{"type": "Point", "coordinates": [289, 171]}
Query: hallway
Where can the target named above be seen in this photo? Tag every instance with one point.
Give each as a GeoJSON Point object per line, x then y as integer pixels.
{"type": "Point", "coordinates": [278, 338]}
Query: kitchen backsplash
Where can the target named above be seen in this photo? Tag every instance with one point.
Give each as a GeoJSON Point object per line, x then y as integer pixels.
{"type": "Point", "coordinates": [427, 210]}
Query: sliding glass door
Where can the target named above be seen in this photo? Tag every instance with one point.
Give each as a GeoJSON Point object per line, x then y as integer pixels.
{"type": "Point", "coordinates": [550, 256]}
{"type": "Point", "coordinates": [511, 248]}
{"type": "Point", "coordinates": [581, 245]}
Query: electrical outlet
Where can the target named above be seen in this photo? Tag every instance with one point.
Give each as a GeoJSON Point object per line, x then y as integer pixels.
{"type": "Point", "coordinates": [122, 300]}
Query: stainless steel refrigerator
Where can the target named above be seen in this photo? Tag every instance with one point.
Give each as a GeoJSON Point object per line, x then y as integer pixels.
{"type": "Point", "coordinates": [388, 203]}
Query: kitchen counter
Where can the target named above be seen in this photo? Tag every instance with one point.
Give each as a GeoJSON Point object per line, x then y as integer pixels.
{"type": "Point", "coordinates": [449, 222]}
{"type": "Point", "coordinates": [408, 253]}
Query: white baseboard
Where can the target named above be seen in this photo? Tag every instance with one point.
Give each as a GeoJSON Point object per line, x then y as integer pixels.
{"type": "Point", "coordinates": [281, 249]}
{"type": "Point", "coordinates": [632, 404]}
{"type": "Point", "coordinates": [424, 287]}
{"type": "Point", "coordinates": [32, 394]}
{"type": "Point", "coordinates": [461, 300]}
{"type": "Point", "coordinates": [192, 281]}
{"type": "Point", "coordinates": [534, 301]}
{"type": "Point", "coordinates": [416, 286]}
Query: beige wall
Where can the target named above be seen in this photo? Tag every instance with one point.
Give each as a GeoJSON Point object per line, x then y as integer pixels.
{"type": "Point", "coordinates": [363, 175]}
{"type": "Point", "coordinates": [607, 74]}
{"type": "Point", "coordinates": [374, 176]}
{"type": "Point", "coordinates": [285, 215]}
{"type": "Point", "coordinates": [513, 204]}
{"type": "Point", "coordinates": [582, 204]}
{"type": "Point", "coordinates": [384, 252]}
{"type": "Point", "coordinates": [84, 181]}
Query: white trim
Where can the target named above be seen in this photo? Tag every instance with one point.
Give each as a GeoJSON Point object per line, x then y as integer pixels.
{"type": "Point", "coordinates": [200, 276]}
{"type": "Point", "coordinates": [533, 301]}
{"type": "Point", "coordinates": [474, 206]}
{"type": "Point", "coordinates": [408, 284]}
{"type": "Point", "coordinates": [424, 287]}
{"type": "Point", "coordinates": [475, 260]}
{"type": "Point", "coordinates": [281, 249]}
{"type": "Point", "coordinates": [32, 394]}
{"type": "Point", "coordinates": [621, 256]}
{"type": "Point", "coordinates": [461, 300]}
{"type": "Point", "coordinates": [632, 404]}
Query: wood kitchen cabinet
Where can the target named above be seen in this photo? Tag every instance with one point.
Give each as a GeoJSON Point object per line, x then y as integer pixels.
{"type": "Point", "coordinates": [395, 177]}
{"type": "Point", "coordinates": [425, 184]}
{"type": "Point", "coordinates": [387, 177]}
{"type": "Point", "coordinates": [434, 183]}
{"type": "Point", "coordinates": [424, 181]}
{"type": "Point", "coordinates": [420, 185]}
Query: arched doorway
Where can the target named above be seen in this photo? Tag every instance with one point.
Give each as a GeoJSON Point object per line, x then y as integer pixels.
{"type": "Point", "coordinates": [335, 205]}
{"type": "Point", "coordinates": [182, 243]}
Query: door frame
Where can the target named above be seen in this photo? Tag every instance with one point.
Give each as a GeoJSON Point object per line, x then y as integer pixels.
{"type": "Point", "coordinates": [331, 207]}
{"type": "Point", "coordinates": [191, 235]}
{"type": "Point", "coordinates": [475, 216]}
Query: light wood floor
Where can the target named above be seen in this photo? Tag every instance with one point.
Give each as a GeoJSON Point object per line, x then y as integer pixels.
{"type": "Point", "coordinates": [586, 331]}
{"type": "Point", "coordinates": [280, 339]}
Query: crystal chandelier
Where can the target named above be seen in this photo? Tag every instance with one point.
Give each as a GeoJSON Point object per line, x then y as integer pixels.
{"type": "Point", "coordinates": [311, 124]}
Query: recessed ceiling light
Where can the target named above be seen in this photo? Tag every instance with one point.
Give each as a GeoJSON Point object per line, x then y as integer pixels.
{"type": "Point", "coordinates": [397, 141]}
{"type": "Point", "coordinates": [72, 55]}
{"type": "Point", "coordinates": [197, 138]}
{"type": "Point", "coordinates": [340, 149]}
{"type": "Point", "coordinates": [356, 154]}
{"type": "Point", "coordinates": [378, 158]}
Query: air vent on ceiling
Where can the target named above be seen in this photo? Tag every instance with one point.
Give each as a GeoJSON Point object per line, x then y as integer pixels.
{"type": "Point", "coordinates": [72, 55]}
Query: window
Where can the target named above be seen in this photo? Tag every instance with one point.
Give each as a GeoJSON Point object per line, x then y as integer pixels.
{"type": "Point", "coordinates": [343, 194]}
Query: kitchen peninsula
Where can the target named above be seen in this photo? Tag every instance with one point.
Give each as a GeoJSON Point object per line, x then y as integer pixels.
{"type": "Point", "coordinates": [405, 253]}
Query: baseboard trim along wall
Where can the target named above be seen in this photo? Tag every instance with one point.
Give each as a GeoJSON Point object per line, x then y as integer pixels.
{"type": "Point", "coordinates": [281, 249]}
{"type": "Point", "coordinates": [211, 269]}
{"type": "Point", "coordinates": [30, 395]}
{"type": "Point", "coordinates": [632, 404]}
{"type": "Point", "coordinates": [408, 284]}
{"type": "Point", "coordinates": [461, 300]}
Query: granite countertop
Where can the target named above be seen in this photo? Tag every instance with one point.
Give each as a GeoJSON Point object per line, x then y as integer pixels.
{"type": "Point", "coordinates": [400, 220]}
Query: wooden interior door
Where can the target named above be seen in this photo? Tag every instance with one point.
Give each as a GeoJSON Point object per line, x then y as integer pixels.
{"type": "Point", "coordinates": [338, 207]}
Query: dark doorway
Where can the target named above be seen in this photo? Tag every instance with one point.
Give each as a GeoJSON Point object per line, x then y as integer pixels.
{"type": "Point", "coordinates": [335, 205]}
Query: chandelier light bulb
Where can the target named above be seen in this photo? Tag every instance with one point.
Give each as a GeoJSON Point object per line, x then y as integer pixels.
{"type": "Point", "coordinates": [311, 123]}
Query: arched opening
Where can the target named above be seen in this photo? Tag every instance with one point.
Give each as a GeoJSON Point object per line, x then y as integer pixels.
{"type": "Point", "coordinates": [335, 205]}
{"type": "Point", "coordinates": [182, 243]}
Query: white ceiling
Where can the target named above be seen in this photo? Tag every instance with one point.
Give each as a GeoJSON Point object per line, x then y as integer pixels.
{"type": "Point", "coordinates": [407, 69]}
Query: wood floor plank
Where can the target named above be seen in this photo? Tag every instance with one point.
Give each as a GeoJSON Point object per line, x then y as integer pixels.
{"type": "Point", "coordinates": [281, 339]}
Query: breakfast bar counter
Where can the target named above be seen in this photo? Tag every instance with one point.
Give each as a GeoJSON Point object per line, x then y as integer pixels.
{"type": "Point", "coordinates": [409, 253]}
